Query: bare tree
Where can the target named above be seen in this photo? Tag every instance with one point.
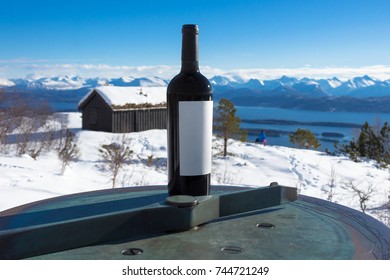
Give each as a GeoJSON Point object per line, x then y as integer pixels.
{"type": "Point", "coordinates": [363, 195]}
{"type": "Point", "coordinates": [69, 150]}
{"type": "Point", "coordinates": [25, 119]}
{"type": "Point", "coordinates": [5, 120]}
{"type": "Point", "coordinates": [332, 183]}
{"type": "Point", "coordinates": [115, 156]}
{"type": "Point", "coordinates": [48, 135]}
{"type": "Point", "coordinates": [38, 135]}
{"type": "Point", "coordinates": [24, 134]}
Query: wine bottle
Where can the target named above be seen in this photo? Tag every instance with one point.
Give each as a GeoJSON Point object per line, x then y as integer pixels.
{"type": "Point", "coordinates": [190, 114]}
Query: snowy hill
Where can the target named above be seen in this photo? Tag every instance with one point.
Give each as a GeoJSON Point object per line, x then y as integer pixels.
{"type": "Point", "coordinates": [24, 179]}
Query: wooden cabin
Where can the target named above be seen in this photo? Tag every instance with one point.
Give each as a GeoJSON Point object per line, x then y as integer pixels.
{"type": "Point", "coordinates": [124, 109]}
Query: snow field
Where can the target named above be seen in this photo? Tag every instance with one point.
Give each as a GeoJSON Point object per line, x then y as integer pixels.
{"type": "Point", "coordinates": [24, 180]}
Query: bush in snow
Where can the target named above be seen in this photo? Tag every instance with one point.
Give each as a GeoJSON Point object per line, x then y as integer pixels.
{"type": "Point", "coordinates": [114, 156]}
{"type": "Point", "coordinates": [304, 138]}
{"type": "Point", "coordinates": [68, 149]}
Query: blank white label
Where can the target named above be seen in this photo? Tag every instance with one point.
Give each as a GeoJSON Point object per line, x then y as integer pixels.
{"type": "Point", "coordinates": [195, 137]}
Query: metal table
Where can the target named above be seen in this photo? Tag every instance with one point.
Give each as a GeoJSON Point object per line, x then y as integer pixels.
{"type": "Point", "coordinates": [137, 223]}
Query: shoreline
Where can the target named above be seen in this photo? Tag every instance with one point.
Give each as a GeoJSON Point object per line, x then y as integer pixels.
{"type": "Point", "coordinates": [288, 122]}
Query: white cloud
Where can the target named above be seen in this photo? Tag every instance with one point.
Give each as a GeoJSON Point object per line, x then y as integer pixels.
{"type": "Point", "coordinates": [24, 68]}
{"type": "Point", "coordinates": [22, 60]}
{"type": "Point", "coordinates": [100, 70]}
{"type": "Point", "coordinates": [380, 72]}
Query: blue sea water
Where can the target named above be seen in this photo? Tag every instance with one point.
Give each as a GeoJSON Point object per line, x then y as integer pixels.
{"type": "Point", "coordinates": [302, 116]}
{"type": "Point", "coordinates": [64, 106]}
{"type": "Point", "coordinates": [341, 120]}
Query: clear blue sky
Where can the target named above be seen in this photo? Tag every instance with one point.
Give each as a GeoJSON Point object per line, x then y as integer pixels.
{"type": "Point", "coordinates": [233, 34]}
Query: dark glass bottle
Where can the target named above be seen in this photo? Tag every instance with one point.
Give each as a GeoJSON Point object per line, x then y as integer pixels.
{"type": "Point", "coordinates": [190, 113]}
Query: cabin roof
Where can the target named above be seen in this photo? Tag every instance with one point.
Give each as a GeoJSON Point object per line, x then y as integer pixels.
{"type": "Point", "coordinates": [117, 97]}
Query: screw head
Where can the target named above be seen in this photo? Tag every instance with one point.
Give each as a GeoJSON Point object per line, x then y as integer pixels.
{"type": "Point", "coordinates": [265, 225]}
{"type": "Point", "coordinates": [232, 249]}
{"type": "Point", "coordinates": [132, 251]}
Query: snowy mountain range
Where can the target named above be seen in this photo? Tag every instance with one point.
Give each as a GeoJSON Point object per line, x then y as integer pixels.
{"type": "Point", "coordinates": [330, 94]}
{"type": "Point", "coordinates": [77, 82]}
{"type": "Point", "coordinates": [360, 87]}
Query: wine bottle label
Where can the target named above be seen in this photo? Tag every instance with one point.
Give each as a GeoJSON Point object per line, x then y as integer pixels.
{"type": "Point", "coordinates": [195, 137]}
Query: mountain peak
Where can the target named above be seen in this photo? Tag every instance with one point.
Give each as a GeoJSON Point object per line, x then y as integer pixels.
{"type": "Point", "coordinates": [363, 81]}
{"type": "Point", "coordinates": [287, 79]}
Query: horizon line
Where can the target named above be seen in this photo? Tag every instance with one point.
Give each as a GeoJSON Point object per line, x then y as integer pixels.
{"type": "Point", "coordinates": [379, 72]}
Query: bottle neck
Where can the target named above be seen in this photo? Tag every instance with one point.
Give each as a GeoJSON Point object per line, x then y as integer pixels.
{"type": "Point", "coordinates": [189, 51]}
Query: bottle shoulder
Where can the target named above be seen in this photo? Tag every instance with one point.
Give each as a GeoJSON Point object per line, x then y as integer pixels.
{"type": "Point", "coordinates": [189, 83]}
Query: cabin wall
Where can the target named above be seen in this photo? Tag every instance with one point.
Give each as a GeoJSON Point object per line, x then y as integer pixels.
{"type": "Point", "coordinates": [97, 115]}
{"type": "Point", "coordinates": [139, 120]}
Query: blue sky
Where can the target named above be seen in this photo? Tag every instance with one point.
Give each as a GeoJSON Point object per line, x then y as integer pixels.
{"type": "Point", "coordinates": [54, 36]}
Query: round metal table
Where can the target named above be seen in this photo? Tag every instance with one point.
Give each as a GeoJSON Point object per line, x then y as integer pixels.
{"type": "Point", "coordinates": [137, 223]}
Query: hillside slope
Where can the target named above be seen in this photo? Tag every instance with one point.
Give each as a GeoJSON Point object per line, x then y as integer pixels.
{"type": "Point", "coordinates": [24, 179]}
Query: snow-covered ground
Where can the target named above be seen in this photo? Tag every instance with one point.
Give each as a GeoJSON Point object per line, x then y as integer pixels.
{"type": "Point", "coordinates": [23, 179]}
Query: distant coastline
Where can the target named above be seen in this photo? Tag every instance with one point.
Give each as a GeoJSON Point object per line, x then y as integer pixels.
{"type": "Point", "coordinates": [289, 122]}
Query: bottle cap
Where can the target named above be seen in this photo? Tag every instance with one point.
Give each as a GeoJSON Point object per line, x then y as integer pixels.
{"type": "Point", "coordinates": [190, 28]}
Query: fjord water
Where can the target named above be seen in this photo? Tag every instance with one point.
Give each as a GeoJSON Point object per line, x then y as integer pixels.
{"type": "Point", "coordinates": [279, 122]}
{"type": "Point", "coordinates": [277, 127]}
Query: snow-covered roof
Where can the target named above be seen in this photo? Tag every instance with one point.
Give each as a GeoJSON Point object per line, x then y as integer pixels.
{"type": "Point", "coordinates": [121, 96]}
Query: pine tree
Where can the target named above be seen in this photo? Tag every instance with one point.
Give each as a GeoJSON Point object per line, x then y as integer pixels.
{"type": "Point", "coordinates": [227, 123]}
{"type": "Point", "coordinates": [385, 140]}
{"type": "Point", "coordinates": [370, 144]}
{"type": "Point", "coordinates": [363, 141]}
